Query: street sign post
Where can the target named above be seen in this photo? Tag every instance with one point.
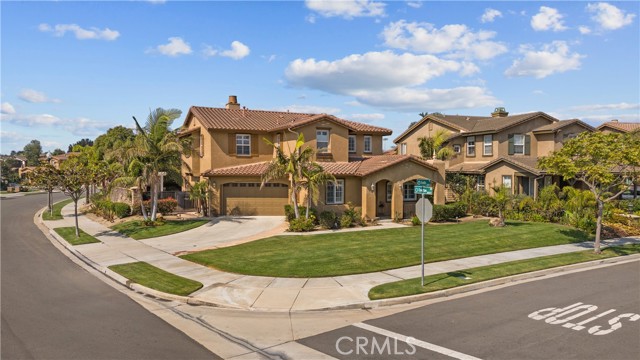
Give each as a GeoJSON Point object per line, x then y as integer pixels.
{"type": "Point", "coordinates": [424, 211]}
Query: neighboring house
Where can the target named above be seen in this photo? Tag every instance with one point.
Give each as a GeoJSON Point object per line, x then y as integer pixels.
{"type": "Point", "coordinates": [618, 127]}
{"type": "Point", "coordinates": [56, 160]}
{"type": "Point", "coordinates": [229, 150]}
{"type": "Point", "coordinates": [497, 149]}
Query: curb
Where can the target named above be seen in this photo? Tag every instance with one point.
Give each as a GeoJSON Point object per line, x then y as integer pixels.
{"type": "Point", "coordinates": [365, 305]}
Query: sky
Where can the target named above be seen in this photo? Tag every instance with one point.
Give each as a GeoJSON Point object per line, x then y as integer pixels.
{"type": "Point", "coordinates": [72, 70]}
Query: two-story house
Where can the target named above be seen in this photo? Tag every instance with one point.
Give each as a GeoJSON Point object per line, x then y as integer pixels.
{"type": "Point", "coordinates": [620, 127]}
{"type": "Point", "coordinates": [500, 149]}
{"type": "Point", "coordinates": [229, 150]}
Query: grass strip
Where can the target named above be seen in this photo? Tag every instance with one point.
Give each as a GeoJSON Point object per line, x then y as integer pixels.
{"type": "Point", "coordinates": [152, 277]}
{"type": "Point", "coordinates": [469, 276]}
{"type": "Point", "coordinates": [57, 207]}
{"type": "Point", "coordinates": [136, 229]}
{"type": "Point", "coordinates": [344, 253]}
{"type": "Point", "coordinates": [69, 234]}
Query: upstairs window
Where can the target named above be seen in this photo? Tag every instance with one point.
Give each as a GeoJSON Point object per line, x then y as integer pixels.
{"type": "Point", "coordinates": [243, 144]}
{"type": "Point", "coordinates": [201, 145]}
{"type": "Point", "coordinates": [403, 149]}
{"type": "Point", "coordinates": [367, 143]}
{"type": "Point", "coordinates": [518, 144]}
{"type": "Point", "coordinates": [322, 141]}
{"type": "Point", "coordinates": [457, 148]}
{"type": "Point", "coordinates": [278, 139]}
{"type": "Point", "coordinates": [488, 145]}
{"type": "Point", "coordinates": [335, 192]}
{"type": "Point", "coordinates": [471, 146]}
{"type": "Point", "coordinates": [352, 143]}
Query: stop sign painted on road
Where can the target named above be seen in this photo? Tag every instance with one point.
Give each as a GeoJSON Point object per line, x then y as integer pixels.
{"type": "Point", "coordinates": [424, 210]}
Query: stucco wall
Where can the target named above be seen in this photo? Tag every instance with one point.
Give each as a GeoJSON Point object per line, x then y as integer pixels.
{"type": "Point", "coordinates": [427, 129]}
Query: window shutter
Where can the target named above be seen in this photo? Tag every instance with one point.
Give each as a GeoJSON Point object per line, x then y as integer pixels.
{"type": "Point", "coordinates": [254, 145]}
{"type": "Point", "coordinates": [232, 144]}
{"type": "Point", "coordinates": [527, 144]}
{"type": "Point", "coordinates": [511, 146]}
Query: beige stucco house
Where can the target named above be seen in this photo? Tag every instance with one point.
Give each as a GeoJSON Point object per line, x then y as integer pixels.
{"type": "Point", "coordinates": [616, 126]}
{"type": "Point", "coordinates": [231, 148]}
{"type": "Point", "coordinates": [500, 149]}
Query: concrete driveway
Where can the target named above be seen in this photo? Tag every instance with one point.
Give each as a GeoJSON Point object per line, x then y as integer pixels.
{"type": "Point", "coordinates": [220, 232]}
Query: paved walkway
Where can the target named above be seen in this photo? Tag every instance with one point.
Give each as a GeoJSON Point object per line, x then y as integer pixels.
{"type": "Point", "coordinates": [268, 293]}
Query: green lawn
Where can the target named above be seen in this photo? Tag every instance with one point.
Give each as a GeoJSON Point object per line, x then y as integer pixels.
{"type": "Point", "coordinates": [56, 210]}
{"type": "Point", "coordinates": [368, 251]}
{"type": "Point", "coordinates": [69, 234]}
{"type": "Point", "coordinates": [484, 273]}
{"type": "Point", "coordinates": [136, 229]}
{"type": "Point", "coordinates": [152, 277]}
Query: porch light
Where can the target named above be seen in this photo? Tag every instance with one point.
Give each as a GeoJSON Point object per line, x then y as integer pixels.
{"type": "Point", "coordinates": [373, 187]}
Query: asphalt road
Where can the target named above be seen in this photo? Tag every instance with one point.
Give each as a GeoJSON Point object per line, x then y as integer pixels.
{"type": "Point", "coordinates": [508, 324]}
{"type": "Point", "coordinates": [53, 309]}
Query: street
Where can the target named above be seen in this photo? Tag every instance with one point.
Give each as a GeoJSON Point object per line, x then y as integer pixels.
{"type": "Point", "coordinates": [53, 309]}
{"type": "Point", "coordinates": [586, 315]}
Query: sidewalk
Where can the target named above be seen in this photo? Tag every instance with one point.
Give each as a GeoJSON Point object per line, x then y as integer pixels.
{"type": "Point", "coordinates": [268, 293]}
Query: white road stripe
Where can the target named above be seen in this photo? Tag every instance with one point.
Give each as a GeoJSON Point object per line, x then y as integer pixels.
{"type": "Point", "coordinates": [416, 342]}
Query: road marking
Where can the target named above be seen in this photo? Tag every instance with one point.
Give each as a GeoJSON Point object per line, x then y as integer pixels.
{"type": "Point", "coordinates": [561, 316]}
{"type": "Point", "coordinates": [416, 342]}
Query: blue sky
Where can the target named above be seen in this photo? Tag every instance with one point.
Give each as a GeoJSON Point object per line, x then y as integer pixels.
{"type": "Point", "coordinates": [72, 70]}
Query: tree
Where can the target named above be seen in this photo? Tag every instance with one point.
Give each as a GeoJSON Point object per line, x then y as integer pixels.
{"type": "Point", "coordinates": [47, 178]}
{"type": "Point", "coordinates": [502, 197]}
{"type": "Point", "coordinates": [313, 176]}
{"type": "Point", "coordinates": [57, 151]}
{"type": "Point", "coordinates": [603, 162]}
{"type": "Point", "coordinates": [80, 143]}
{"type": "Point", "coordinates": [433, 147]}
{"type": "Point", "coordinates": [32, 152]}
{"type": "Point", "coordinates": [289, 166]}
{"type": "Point", "coordinates": [155, 149]}
{"type": "Point", "coordinates": [200, 192]}
{"type": "Point", "coordinates": [110, 144]}
{"type": "Point", "coordinates": [74, 174]}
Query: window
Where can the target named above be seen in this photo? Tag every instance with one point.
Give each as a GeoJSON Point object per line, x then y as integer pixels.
{"type": "Point", "coordinates": [403, 149]}
{"type": "Point", "coordinates": [367, 143]}
{"type": "Point", "coordinates": [352, 143]}
{"type": "Point", "coordinates": [471, 146]}
{"type": "Point", "coordinates": [457, 148]}
{"type": "Point", "coordinates": [506, 181]}
{"type": "Point", "coordinates": [243, 144]}
{"type": "Point", "coordinates": [322, 141]}
{"type": "Point", "coordinates": [201, 145]}
{"type": "Point", "coordinates": [518, 144]}
{"type": "Point", "coordinates": [278, 139]}
{"type": "Point", "coordinates": [408, 191]}
{"type": "Point", "coordinates": [389, 191]}
{"type": "Point", "coordinates": [335, 192]}
{"type": "Point", "coordinates": [480, 184]}
{"type": "Point", "coordinates": [488, 145]}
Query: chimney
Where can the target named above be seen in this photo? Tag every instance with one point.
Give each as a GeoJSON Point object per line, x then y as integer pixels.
{"type": "Point", "coordinates": [614, 120]}
{"type": "Point", "coordinates": [233, 103]}
{"type": "Point", "coordinates": [499, 112]}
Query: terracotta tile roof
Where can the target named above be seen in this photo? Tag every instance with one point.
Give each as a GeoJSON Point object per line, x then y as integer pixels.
{"type": "Point", "coordinates": [562, 123]}
{"type": "Point", "coordinates": [268, 121]}
{"type": "Point", "coordinates": [528, 164]}
{"type": "Point", "coordinates": [359, 168]}
{"type": "Point", "coordinates": [467, 167]}
{"type": "Point", "coordinates": [622, 126]}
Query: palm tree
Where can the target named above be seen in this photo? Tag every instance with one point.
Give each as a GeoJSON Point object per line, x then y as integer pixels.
{"type": "Point", "coordinates": [502, 197]}
{"type": "Point", "coordinates": [433, 147]}
{"type": "Point", "coordinates": [289, 166]}
{"type": "Point", "coordinates": [156, 148]}
{"type": "Point", "coordinates": [313, 176]}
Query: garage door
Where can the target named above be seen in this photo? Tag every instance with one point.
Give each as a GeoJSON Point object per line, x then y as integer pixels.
{"type": "Point", "coordinates": [248, 199]}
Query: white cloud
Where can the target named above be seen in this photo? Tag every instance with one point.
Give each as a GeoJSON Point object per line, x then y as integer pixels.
{"type": "Point", "coordinates": [372, 70]}
{"type": "Point", "coordinates": [238, 51]}
{"type": "Point", "coordinates": [599, 119]}
{"type": "Point", "coordinates": [7, 109]}
{"type": "Point", "coordinates": [548, 19]}
{"type": "Point", "coordinates": [309, 109]}
{"type": "Point", "coordinates": [584, 30]}
{"type": "Point", "coordinates": [609, 17]}
{"type": "Point", "coordinates": [601, 107]}
{"type": "Point", "coordinates": [208, 51]}
{"type": "Point", "coordinates": [387, 80]}
{"type": "Point", "coordinates": [347, 9]}
{"type": "Point", "coordinates": [33, 96]}
{"type": "Point", "coordinates": [175, 47]}
{"type": "Point", "coordinates": [490, 15]}
{"type": "Point", "coordinates": [77, 126]}
{"type": "Point", "coordinates": [538, 92]}
{"type": "Point", "coordinates": [31, 120]}
{"type": "Point", "coordinates": [366, 117]}
{"type": "Point", "coordinates": [552, 58]}
{"type": "Point", "coordinates": [310, 19]}
{"type": "Point", "coordinates": [92, 33]}
{"type": "Point", "coordinates": [455, 40]}
{"type": "Point", "coordinates": [414, 4]}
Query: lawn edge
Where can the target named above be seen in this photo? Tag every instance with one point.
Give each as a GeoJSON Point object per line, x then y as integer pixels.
{"type": "Point", "coordinates": [155, 237]}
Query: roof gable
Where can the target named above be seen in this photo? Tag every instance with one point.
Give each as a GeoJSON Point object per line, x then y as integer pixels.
{"type": "Point", "coordinates": [562, 124]}
{"type": "Point", "coordinates": [620, 126]}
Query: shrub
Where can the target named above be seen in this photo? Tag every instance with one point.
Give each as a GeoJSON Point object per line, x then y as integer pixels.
{"type": "Point", "coordinates": [165, 206]}
{"type": "Point", "coordinates": [415, 221]}
{"type": "Point", "coordinates": [302, 224]}
{"type": "Point", "coordinates": [328, 219]}
{"type": "Point", "coordinates": [449, 212]}
{"type": "Point", "coordinates": [353, 213]}
{"type": "Point", "coordinates": [290, 214]}
{"type": "Point", "coordinates": [121, 210]}
{"type": "Point", "coordinates": [345, 221]}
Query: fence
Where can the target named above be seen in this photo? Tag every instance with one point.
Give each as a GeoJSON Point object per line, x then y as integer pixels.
{"type": "Point", "coordinates": [182, 197]}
